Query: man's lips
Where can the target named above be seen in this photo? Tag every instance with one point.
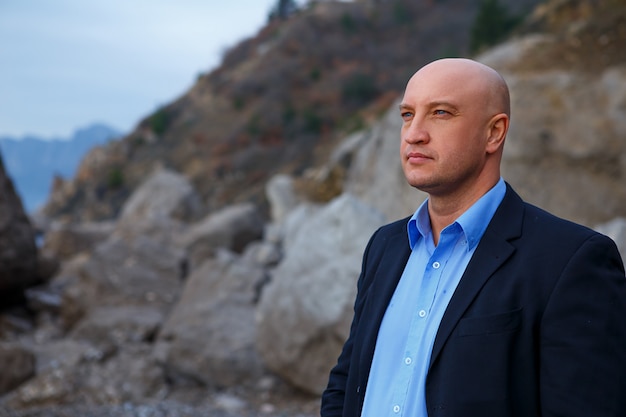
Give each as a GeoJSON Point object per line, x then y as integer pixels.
{"type": "Point", "coordinates": [417, 157]}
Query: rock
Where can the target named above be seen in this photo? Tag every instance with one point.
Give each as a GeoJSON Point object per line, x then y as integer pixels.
{"type": "Point", "coordinates": [232, 228]}
{"type": "Point", "coordinates": [64, 241]}
{"type": "Point", "coordinates": [210, 336]}
{"type": "Point", "coordinates": [262, 253]}
{"type": "Point", "coordinates": [47, 389]}
{"type": "Point", "coordinates": [17, 364]}
{"type": "Point", "coordinates": [142, 270]}
{"type": "Point", "coordinates": [67, 353]}
{"type": "Point", "coordinates": [616, 230]}
{"type": "Point", "coordinates": [44, 298]}
{"type": "Point", "coordinates": [159, 206]}
{"type": "Point", "coordinates": [47, 266]}
{"type": "Point", "coordinates": [119, 325]}
{"type": "Point", "coordinates": [18, 252]}
{"type": "Point", "coordinates": [281, 195]}
{"type": "Point", "coordinates": [305, 310]}
{"type": "Point", "coordinates": [75, 289]}
{"type": "Point", "coordinates": [130, 376]}
{"type": "Point", "coordinates": [566, 146]}
{"type": "Point", "coordinates": [13, 324]}
{"type": "Point", "coordinates": [133, 375]}
{"type": "Point", "coordinates": [230, 403]}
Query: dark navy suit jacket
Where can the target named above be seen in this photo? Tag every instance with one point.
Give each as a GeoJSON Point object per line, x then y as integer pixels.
{"type": "Point", "coordinates": [536, 326]}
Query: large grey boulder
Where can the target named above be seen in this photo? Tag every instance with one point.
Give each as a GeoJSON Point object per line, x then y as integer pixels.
{"type": "Point", "coordinates": [18, 252]}
{"type": "Point", "coordinates": [137, 262]}
{"type": "Point", "coordinates": [232, 228]}
{"type": "Point", "coordinates": [305, 310]}
{"type": "Point", "coordinates": [159, 206]}
{"type": "Point", "coordinates": [209, 338]}
{"type": "Point", "coordinates": [143, 269]}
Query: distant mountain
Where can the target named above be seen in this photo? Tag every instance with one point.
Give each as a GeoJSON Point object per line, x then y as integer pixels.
{"type": "Point", "coordinates": [33, 162]}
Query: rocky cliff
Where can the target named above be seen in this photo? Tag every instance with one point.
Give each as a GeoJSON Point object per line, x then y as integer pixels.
{"type": "Point", "coordinates": [180, 302]}
{"type": "Point", "coordinates": [279, 103]}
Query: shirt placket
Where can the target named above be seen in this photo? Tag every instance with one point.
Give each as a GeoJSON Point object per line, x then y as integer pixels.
{"type": "Point", "coordinates": [426, 298]}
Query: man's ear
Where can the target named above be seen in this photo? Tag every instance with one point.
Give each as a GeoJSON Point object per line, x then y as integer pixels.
{"type": "Point", "coordinates": [498, 126]}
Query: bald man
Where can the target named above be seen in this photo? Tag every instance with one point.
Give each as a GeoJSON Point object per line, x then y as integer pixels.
{"type": "Point", "coordinates": [479, 304]}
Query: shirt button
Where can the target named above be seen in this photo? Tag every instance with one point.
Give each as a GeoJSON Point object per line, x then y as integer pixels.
{"type": "Point", "coordinates": [422, 313]}
{"type": "Point", "coordinates": [407, 361]}
{"type": "Point", "coordinates": [396, 408]}
{"type": "Point", "coordinates": [436, 265]}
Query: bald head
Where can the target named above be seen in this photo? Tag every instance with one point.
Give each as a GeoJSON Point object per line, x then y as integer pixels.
{"type": "Point", "coordinates": [455, 119]}
{"type": "Point", "coordinates": [484, 83]}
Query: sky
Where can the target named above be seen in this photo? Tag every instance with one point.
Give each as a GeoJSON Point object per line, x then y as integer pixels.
{"type": "Point", "coordinates": [65, 64]}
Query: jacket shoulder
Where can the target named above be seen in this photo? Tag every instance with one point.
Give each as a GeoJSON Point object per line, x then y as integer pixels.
{"type": "Point", "coordinates": [393, 228]}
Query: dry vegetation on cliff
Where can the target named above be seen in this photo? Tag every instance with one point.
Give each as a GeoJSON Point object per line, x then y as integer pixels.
{"type": "Point", "coordinates": [278, 102]}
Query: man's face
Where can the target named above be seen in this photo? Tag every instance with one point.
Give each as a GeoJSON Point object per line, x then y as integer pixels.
{"type": "Point", "coordinates": [444, 131]}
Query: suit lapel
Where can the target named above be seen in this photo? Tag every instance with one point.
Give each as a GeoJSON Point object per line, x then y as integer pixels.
{"type": "Point", "coordinates": [492, 251]}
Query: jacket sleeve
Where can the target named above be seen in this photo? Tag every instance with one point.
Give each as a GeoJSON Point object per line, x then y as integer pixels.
{"type": "Point", "coordinates": [583, 336]}
{"type": "Point", "coordinates": [334, 397]}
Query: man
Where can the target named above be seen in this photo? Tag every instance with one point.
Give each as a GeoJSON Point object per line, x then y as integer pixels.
{"type": "Point", "coordinates": [479, 305]}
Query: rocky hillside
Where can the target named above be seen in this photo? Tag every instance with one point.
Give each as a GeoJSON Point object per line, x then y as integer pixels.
{"type": "Point", "coordinates": [278, 103]}
{"type": "Point", "coordinates": [232, 297]}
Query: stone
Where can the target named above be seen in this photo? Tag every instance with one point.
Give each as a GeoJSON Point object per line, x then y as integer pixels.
{"type": "Point", "coordinates": [132, 375]}
{"type": "Point", "coordinates": [18, 252]}
{"type": "Point", "coordinates": [262, 253]}
{"type": "Point", "coordinates": [281, 196]}
{"type": "Point", "coordinates": [17, 364]}
{"type": "Point", "coordinates": [144, 269]}
{"type": "Point", "coordinates": [119, 325]}
{"type": "Point", "coordinates": [210, 335]}
{"type": "Point", "coordinates": [159, 206]}
{"type": "Point", "coordinates": [616, 230]}
{"type": "Point", "coordinates": [64, 241]}
{"type": "Point", "coordinates": [232, 227]}
{"type": "Point", "coordinates": [305, 311]}
{"type": "Point", "coordinates": [67, 353]}
{"type": "Point", "coordinates": [44, 298]}
{"type": "Point", "coordinates": [566, 147]}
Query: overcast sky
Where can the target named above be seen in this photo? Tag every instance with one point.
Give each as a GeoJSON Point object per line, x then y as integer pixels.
{"type": "Point", "coordinates": [65, 64]}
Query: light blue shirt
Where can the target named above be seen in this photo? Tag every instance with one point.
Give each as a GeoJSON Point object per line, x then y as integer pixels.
{"type": "Point", "coordinates": [398, 374]}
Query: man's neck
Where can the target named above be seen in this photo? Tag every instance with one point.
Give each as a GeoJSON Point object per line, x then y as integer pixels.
{"type": "Point", "coordinates": [443, 210]}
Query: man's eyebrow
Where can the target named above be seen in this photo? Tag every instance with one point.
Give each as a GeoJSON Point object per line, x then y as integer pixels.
{"type": "Point", "coordinates": [403, 106]}
{"type": "Point", "coordinates": [442, 103]}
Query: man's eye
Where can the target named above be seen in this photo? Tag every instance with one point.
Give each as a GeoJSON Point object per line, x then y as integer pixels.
{"type": "Point", "coordinates": [440, 112]}
{"type": "Point", "coordinates": [406, 114]}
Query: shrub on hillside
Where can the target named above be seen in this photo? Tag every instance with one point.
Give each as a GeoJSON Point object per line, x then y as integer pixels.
{"type": "Point", "coordinates": [493, 24]}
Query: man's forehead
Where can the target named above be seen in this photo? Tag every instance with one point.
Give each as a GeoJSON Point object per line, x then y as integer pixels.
{"type": "Point", "coordinates": [451, 88]}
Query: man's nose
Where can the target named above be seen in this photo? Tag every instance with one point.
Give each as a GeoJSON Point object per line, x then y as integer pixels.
{"type": "Point", "coordinates": [415, 133]}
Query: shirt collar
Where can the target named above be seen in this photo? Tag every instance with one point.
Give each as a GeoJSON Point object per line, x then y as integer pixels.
{"type": "Point", "coordinates": [473, 222]}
